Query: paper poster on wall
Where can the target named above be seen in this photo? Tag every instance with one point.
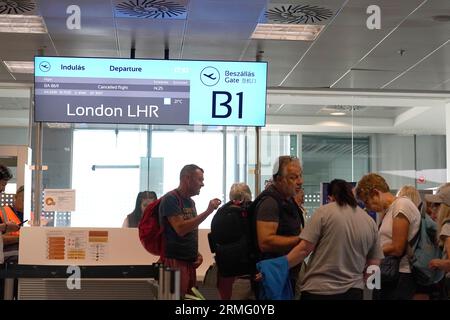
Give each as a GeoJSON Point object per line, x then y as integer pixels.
{"type": "Point", "coordinates": [56, 245]}
{"type": "Point", "coordinates": [83, 247]}
{"type": "Point", "coordinates": [77, 245]}
{"type": "Point", "coordinates": [98, 245]}
{"type": "Point", "coordinates": [62, 200]}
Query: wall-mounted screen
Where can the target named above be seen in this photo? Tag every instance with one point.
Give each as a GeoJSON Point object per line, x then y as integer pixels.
{"type": "Point", "coordinates": [139, 91]}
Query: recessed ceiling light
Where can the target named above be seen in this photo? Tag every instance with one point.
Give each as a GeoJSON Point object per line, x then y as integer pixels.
{"type": "Point", "coordinates": [277, 31]}
{"type": "Point", "coordinates": [338, 113]}
{"type": "Point", "coordinates": [16, 23]}
{"type": "Point", "coordinates": [20, 66]}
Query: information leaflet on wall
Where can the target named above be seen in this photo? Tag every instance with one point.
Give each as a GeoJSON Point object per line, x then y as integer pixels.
{"type": "Point", "coordinates": [80, 245]}
{"type": "Point", "coordinates": [62, 200]}
{"type": "Point", "coordinates": [172, 92]}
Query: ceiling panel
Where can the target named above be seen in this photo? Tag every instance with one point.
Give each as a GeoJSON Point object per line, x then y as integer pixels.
{"type": "Point", "coordinates": [324, 111]}
{"type": "Point", "coordinates": [299, 110]}
{"type": "Point", "coordinates": [364, 79]}
{"type": "Point", "coordinates": [281, 55]}
{"type": "Point", "coordinates": [431, 122]}
{"type": "Point", "coordinates": [89, 9]}
{"type": "Point", "coordinates": [404, 48]}
{"type": "Point", "coordinates": [85, 42]}
{"type": "Point", "coordinates": [313, 77]}
{"type": "Point", "coordinates": [231, 11]}
{"type": "Point", "coordinates": [347, 39]}
{"type": "Point", "coordinates": [150, 37]}
{"type": "Point", "coordinates": [419, 80]}
{"type": "Point", "coordinates": [23, 77]}
{"type": "Point", "coordinates": [149, 28]}
{"type": "Point", "coordinates": [437, 62]}
{"type": "Point", "coordinates": [214, 30]}
{"type": "Point", "coordinates": [101, 27]}
{"type": "Point", "coordinates": [220, 29]}
{"type": "Point", "coordinates": [443, 86]}
{"type": "Point", "coordinates": [23, 47]}
{"type": "Point", "coordinates": [392, 12]}
{"type": "Point", "coordinates": [5, 77]}
{"type": "Point", "coordinates": [217, 50]}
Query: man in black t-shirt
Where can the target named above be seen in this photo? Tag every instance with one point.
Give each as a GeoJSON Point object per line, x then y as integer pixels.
{"type": "Point", "coordinates": [179, 216]}
{"type": "Point", "coordinates": [278, 218]}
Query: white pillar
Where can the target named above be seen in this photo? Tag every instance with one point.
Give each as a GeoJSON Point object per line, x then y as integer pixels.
{"type": "Point", "coordinates": [447, 138]}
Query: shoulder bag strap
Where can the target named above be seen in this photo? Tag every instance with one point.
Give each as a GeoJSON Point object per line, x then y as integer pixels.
{"type": "Point", "coordinates": [178, 196]}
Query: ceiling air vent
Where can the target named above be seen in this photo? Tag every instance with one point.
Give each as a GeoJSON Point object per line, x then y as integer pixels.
{"type": "Point", "coordinates": [298, 14]}
{"type": "Point", "coordinates": [16, 7]}
{"type": "Point", "coordinates": [151, 9]}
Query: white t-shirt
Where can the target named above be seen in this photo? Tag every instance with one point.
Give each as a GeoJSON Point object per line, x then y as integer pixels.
{"type": "Point", "coordinates": [409, 210]}
{"type": "Point", "coordinates": [445, 232]}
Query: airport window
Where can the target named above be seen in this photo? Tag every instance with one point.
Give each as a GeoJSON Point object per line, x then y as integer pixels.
{"type": "Point", "coordinates": [105, 175]}
{"type": "Point", "coordinates": [178, 148]}
{"type": "Point", "coordinates": [105, 195]}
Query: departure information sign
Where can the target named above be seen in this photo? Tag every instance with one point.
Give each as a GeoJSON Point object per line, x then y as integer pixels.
{"type": "Point", "coordinates": [173, 92]}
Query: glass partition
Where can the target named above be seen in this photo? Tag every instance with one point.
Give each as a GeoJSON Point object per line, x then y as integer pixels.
{"type": "Point", "coordinates": [108, 165]}
{"type": "Point", "coordinates": [105, 175]}
{"type": "Point", "coordinates": [15, 104]}
{"type": "Point", "coordinates": [408, 151]}
{"type": "Point", "coordinates": [228, 155]}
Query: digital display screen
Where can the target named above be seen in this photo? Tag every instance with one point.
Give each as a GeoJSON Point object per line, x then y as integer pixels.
{"type": "Point", "coordinates": [138, 91]}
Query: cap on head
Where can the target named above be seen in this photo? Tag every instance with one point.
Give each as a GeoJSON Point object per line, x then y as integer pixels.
{"type": "Point", "coordinates": [442, 196]}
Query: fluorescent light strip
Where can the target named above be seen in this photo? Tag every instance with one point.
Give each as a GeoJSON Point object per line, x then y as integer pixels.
{"type": "Point", "coordinates": [338, 113]}
{"type": "Point", "coordinates": [302, 32]}
{"type": "Point", "coordinates": [13, 23]}
{"type": "Point", "coordinates": [20, 66]}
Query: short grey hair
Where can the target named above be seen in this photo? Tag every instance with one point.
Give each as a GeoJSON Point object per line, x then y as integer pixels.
{"type": "Point", "coordinates": [189, 169]}
{"type": "Point", "coordinates": [240, 191]}
{"type": "Point", "coordinates": [279, 167]}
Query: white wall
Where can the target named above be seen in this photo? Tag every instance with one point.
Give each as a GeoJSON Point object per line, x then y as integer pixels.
{"type": "Point", "coordinates": [13, 136]}
{"type": "Point", "coordinates": [394, 157]}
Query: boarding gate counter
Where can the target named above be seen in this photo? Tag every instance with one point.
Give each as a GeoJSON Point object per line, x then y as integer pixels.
{"type": "Point", "coordinates": [87, 263]}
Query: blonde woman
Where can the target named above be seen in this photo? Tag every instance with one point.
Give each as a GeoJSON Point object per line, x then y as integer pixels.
{"type": "Point", "coordinates": [422, 292]}
{"type": "Point", "coordinates": [411, 193]}
{"type": "Point", "coordinates": [400, 223]}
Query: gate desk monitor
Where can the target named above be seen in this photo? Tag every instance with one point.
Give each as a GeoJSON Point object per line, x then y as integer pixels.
{"type": "Point", "coordinates": [138, 91]}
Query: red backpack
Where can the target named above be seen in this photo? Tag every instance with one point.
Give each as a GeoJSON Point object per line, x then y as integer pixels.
{"type": "Point", "coordinates": [151, 233]}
